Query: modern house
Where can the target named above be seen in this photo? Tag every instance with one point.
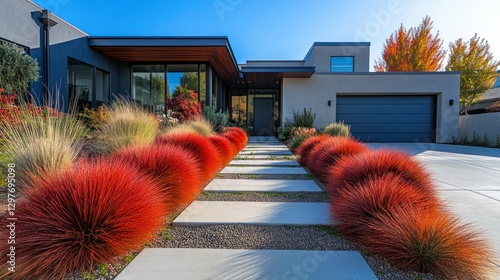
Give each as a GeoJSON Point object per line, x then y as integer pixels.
{"type": "Point", "coordinates": [333, 79]}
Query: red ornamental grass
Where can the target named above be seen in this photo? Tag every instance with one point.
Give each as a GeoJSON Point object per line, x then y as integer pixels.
{"type": "Point", "coordinates": [432, 242]}
{"type": "Point", "coordinates": [305, 148]}
{"type": "Point", "coordinates": [174, 168]}
{"type": "Point", "coordinates": [326, 154]}
{"type": "Point", "coordinates": [226, 150]}
{"type": "Point", "coordinates": [350, 171]}
{"type": "Point", "coordinates": [203, 150]}
{"type": "Point", "coordinates": [236, 140]}
{"type": "Point", "coordinates": [84, 216]}
{"type": "Point", "coordinates": [240, 134]}
{"type": "Point", "coordinates": [358, 206]}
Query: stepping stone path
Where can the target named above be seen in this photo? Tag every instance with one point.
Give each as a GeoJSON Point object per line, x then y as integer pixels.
{"type": "Point", "coordinates": [259, 157]}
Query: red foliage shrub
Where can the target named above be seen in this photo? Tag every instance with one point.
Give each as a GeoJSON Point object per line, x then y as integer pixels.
{"type": "Point", "coordinates": [357, 169]}
{"type": "Point", "coordinates": [305, 148]}
{"type": "Point", "coordinates": [226, 150]}
{"type": "Point", "coordinates": [326, 154]}
{"type": "Point", "coordinates": [175, 170]}
{"type": "Point", "coordinates": [430, 241]}
{"type": "Point", "coordinates": [203, 150]}
{"type": "Point", "coordinates": [184, 105]}
{"type": "Point", "coordinates": [239, 135]}
{"type": "Point", "coordinates": [358, 206]}
{"type": "Point", "coordinates": [82, 217]}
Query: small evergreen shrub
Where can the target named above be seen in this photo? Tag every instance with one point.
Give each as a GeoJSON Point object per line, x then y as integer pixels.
{"type": "Point", "coordinates": [337, 129]}
{"type": "Point", "coordinates": [295, 141]}
{"type": "Point", "coordinates": [286, 131]}
{"type": "Point", "coordinates": [217, 119]}
{"type": "Point", "coordinates": [304, 119]}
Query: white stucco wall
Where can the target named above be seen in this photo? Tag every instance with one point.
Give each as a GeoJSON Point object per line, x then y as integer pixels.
{"type": "Point", "coordinates": [314, 92]}
{"type": "Point", "coordinates": [482, 123]}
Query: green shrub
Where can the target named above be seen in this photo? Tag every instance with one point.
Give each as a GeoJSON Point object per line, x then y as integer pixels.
{"type": "Point", "coordinates": [286, 131]}
{"type": "Point", "coordinates": [297, 140]}
{"type": "Point", "coordinates": [476, 140]}
{"type": "Point", "coordinates": [305, 119]}
{"type": "Point", "coordinates": [338, 129]}
{"type": "Point", "coordinates": [128, 125]}
{"type": "Point", "coordinates": [498, 141]}
{"type": "Point", "coordinates": [218, 119]}
{"type": "Point", "coordinates": [16, 69]}
{"type": "Point", "coordinates": [93, 119]}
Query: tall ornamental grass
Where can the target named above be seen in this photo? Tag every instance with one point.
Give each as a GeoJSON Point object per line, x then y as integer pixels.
{"type": "Point", "coordinates": [128, 125]}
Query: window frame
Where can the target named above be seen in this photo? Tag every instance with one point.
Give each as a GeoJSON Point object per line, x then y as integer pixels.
{"type": "Point", "coordinates": [332, 66]}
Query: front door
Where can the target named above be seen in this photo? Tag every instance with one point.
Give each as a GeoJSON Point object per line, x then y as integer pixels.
{"type": "Point", "coordinates": [263, 120]}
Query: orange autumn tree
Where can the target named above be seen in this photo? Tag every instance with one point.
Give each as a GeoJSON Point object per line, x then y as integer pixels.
{"type": "Point", "coordinates": [412, 50]}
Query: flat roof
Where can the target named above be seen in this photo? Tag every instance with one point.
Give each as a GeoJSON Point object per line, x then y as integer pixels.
{"type": "Point", "coordinates": [213, 49]}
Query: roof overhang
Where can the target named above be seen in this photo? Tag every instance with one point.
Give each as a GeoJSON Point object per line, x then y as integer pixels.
{"type": "Point", "coordinates": [214, 50]}
{"type": "Point", "coordinates": [272, 76]}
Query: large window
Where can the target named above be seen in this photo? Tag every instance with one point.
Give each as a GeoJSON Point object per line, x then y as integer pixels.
{"type": "Point", "coordinates": [153, 84]}
{"type": "Point", "coordinates": [101, 87]}
{"type": "Point", "coordinates": [148, 87]}
{"type": "Point", "coordinates": [342, 64]}
{"type": "Point", "coordinates": [87, 84]}
{"type": "Point", "coordinates": [80, 83]}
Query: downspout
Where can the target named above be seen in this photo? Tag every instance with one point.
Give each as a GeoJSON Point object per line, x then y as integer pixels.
{"type": "Point", "coordinates": [47, 24]}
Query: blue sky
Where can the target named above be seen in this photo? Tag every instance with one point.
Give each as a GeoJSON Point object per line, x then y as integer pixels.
{"type": "Point", "coordinates": [280, 29]}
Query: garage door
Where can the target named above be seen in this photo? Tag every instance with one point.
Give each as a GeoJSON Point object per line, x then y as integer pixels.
{"type": "Point", "coordinates": [389, 118]}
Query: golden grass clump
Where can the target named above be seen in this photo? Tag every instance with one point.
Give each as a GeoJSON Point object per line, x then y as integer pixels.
{"type": "Point", "coordinates": [128, 125]}
{"type": "Point", "coordinates": [42, 142]}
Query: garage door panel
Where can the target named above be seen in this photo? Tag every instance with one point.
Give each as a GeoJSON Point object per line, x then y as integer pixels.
{"type": "Point", "coordinates": [389, 99]}
{"type": "Point", "coordinates": [386, 109]}
{"type": "Point", "coordinates": [402, 118]}
{"type": "Point", "coordinates": [386, 118]}
{"type": "Point", "coordinates": [390, 128]}
{"type": "Point", "coordinates": [391, 137]}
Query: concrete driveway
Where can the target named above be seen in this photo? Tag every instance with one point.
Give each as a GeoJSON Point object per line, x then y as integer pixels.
{"type": "Point", "coordinates": [467, 179]}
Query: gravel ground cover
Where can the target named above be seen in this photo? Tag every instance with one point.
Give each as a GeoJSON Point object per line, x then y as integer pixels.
{"type": "Point", "coordinates": [264, 197]}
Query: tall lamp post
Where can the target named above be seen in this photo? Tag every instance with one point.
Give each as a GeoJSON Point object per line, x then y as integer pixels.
{"type": "Point", "coordinates": [47, 24]}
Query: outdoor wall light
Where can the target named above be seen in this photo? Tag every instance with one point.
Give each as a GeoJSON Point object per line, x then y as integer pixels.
{"type": "Point", "coordinates": [329, 103]}
{"type": "Point", "coordinates": [452, 102]}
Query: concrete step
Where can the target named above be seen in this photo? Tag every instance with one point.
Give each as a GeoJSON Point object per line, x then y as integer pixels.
{"type": "Point", "coordinates": [201, 213]}
{"type": "Point", "coordinates": [265, 162]}
{"type": "Point", "coordinates": [264, 170]}
{"type": "Point", "coordinates": [267, 157]}
{"type": "Point", "coordinates": [249, 185]}
{"type": "Point", "coordinates": [229, 264]}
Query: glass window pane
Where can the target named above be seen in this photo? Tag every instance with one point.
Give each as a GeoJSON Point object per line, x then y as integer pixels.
{"type": "Point", "coordinates": [203, 84]}
{"type": "Point", "coordinates": [148, 87]}
{"type": "Point", "coordinates": [80, 83]}
{"type": "Point", "coordinates": [342, 64]}
{"type": "Point", "coordinates": [182, 77]}
{"type": "Point", "coordinates": [102, 87]}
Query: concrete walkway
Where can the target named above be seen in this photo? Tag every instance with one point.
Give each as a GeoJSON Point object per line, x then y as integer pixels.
{"type": "Point", "coordinates": [468, 180]}
{"type": "Point", "coordinates": [193, 263]}
{"type": "Point", "coordinates": [249, 185]}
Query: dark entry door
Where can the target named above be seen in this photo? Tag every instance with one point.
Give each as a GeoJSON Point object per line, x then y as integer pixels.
{"type": "Point", "coordinates": [263, 120]}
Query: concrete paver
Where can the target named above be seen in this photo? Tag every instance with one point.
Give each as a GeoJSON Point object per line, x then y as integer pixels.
{"type": "Point", "coordinates": [249, 185]}
{"type": "Point", "coordinates": [256, 213]}
{"type": "Point", "coordinates": [267, 152]}
{"type": "Point", "coordinates": [267, 157]}
{"type": "Point", "coordinates": [204, 264]}
{"type": "Point", "coordinates": [264, 170]}
{"type": "Point", "coordinates": [265, 162]}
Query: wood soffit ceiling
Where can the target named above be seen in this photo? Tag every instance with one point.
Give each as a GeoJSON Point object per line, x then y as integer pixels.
{"type": "Point", "coordinates": [219, 56]}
